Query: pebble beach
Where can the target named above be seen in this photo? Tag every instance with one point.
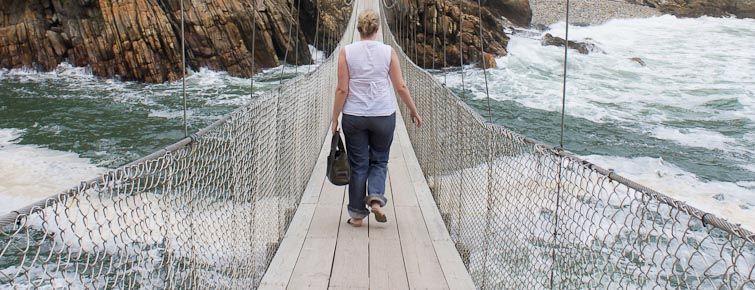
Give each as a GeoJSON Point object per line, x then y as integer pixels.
{"type": "Point", "coordinates": [586, 12]}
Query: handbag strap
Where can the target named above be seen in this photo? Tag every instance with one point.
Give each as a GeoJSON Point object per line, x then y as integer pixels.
{"type": "Point", "coordinates": [336, 143]}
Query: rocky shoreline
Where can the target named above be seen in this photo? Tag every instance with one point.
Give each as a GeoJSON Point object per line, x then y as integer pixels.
{"type": "Point", "coordinates": [586, 12]}
{"type": "Point", "coordinates": [140, 40]}
{"type": "Point", "coordinates": [590, 12]}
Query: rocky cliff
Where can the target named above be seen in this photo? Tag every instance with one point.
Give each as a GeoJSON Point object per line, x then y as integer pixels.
{"type": "Point", "coordinates": [697, 8]}
{"type": "Point", "coordinates": [140, 39]}
{"type": "Point", "coordinates": [427, 29]}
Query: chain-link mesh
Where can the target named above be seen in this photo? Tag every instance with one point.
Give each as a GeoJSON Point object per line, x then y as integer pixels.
{"type": "Point", "coordinates": [207, 212]}
{"type": "Point", "coordinates": [525, 215]}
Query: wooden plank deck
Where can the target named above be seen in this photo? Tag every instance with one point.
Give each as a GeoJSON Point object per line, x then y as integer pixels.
{"type": "Point", "coordinates": [411, 251]}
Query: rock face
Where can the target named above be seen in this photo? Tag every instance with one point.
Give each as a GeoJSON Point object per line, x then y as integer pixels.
{"type": "Point", "coordinates": [581, 47]}
{"type": "Point", "coordinates": [140, 39]}
{"type": "Point", "coordinates": [333, 15]}
{"type": "Point", "coordinates": [516, 11]}
{"type": "Point", "coordinates": [697, 8]}
{"type": "Point", "coordinates": [433, 35]}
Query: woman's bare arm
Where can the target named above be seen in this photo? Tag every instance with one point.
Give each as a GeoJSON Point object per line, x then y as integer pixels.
{"type": "Point", "coordinates": [342, 89]}
{"type": "Point", "coordinates": [403, 91]}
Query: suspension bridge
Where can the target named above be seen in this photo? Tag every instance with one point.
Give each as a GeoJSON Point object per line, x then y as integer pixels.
{"type": "Point", "coordinates": [243, 203]}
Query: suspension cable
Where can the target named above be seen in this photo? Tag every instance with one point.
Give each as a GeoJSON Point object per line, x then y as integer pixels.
{"type": "Point", "coordinates": [491, 196]}
{"type": "Point", "coordinates": [288, 48]}
{"type": "Point", "coordinates": [563, 93]}
{"type": "Point", "coordinates": [561, 144]}
{"type": "Point", "coordinates": [424, 34]}
{"type": "Point", "coordinates": [445, 63]}
{"type": "Point", "coordinates": [298, 31]}
{"type": "Point", "coordinates": [414, 37]}
{"type": "Point", "coordinates": [461, 49]}
{"type": "Point", "coordinates": [254, 40]}
{"type": "Point", "coordinates": [389, 6]}
{"type": "Point", "coordinates": [484, 65]}
{"type": "Point", "coordinates": [183, 69]}
{"type": "Point", "coordinates": [317, 30]}
{"type": "Point", "coordinates": [435, 30]}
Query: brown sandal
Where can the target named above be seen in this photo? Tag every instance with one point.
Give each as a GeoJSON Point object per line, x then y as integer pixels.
{"type": "Point", "coordinates": [348, 221]}
{"type": "Point", "coordinates": [380, 216]}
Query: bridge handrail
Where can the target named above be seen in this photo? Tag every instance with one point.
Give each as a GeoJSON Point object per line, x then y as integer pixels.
{"type": "Point", "coordinates": [208, 211]}
{"type": "Point", "coordinates": [523, 213]}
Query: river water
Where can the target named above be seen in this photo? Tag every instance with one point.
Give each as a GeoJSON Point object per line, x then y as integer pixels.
{"type": "Point", "coordinates": [683, 124]}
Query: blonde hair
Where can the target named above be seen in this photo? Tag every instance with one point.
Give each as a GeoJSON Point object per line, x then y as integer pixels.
{"type": "Point", "coordinates": [367, 24]}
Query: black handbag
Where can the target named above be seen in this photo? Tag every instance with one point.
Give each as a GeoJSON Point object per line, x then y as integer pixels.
{"type": "Point", "coordinates": [339, 170]}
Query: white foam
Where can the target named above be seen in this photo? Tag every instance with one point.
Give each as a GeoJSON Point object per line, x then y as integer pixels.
{"type": "Point", "coordinates": [318, 56]}
{"type": "Point", "coordinates": [31, 173]}
{"type": "Point", "coordinates": [738, 204]}
{"type": "Point", "coordinates": [169, 114]}
{"type": "Point", "coordinates": [695, 137]}
{"type": "Point", "coordinates": [610, 87]}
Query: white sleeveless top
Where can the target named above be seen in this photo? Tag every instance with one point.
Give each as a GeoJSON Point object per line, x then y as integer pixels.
{"type": "Point", "coordinates": [370, 89]}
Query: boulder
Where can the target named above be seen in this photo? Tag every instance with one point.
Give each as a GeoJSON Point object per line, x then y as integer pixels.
{"type": "Point", "coordinates": [488, 61]}
{"type": "Point", "coordinates": [516, 11]}
{"type": "Point", "coordinates": [581, 47]}
{"type": "Point", "coordinates": [638, 60]}
{"type": "Point", "coordinates": [440, 33]}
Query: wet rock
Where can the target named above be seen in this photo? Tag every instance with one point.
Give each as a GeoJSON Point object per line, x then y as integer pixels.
{"type": "Point", "coordinates": [638, 60]}
{"type": "Point", "coordinates": [516, 11]}
{"type": "Point", "coordinates": [719, 197]}
{"type": "Point", "coordinates": [58, 43]}
{"type": "Point", "coordinates": [140, 39]}
{"type": "Point", "coordinates": [488, 61]}
{"type": "Point", "coordinates": [333, 15]}
{"type": "Point", "coordinates": [581, 47]}
{"type": "Point", "coordinates": [441, 33]}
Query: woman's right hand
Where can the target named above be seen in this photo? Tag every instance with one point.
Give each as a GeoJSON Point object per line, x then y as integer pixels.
{"type": "Point", "coordinates": [416, 119]}
{"type": "Point", "coordinates": [334, 126]}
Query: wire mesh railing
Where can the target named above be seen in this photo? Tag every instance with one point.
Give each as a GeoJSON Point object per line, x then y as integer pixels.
{"type": "Point", "coordinates": [526, 215]}
{"type": "Point", "coordinates": [206, 212]}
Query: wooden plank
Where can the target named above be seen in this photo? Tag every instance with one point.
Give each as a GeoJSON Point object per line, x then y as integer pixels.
{"type": "Point", "coordinates": [325, 222]}
{"type": "Point", "coordinates": [436, 228]}
{"type": "Point", "coordinates": [388, 230]}
{"type": "Point", "coordinates": [387, 269]}
{"type": "Point", "coordinates": [317, 179]}
{"type": "Point", "coordinates": [434, 222]}
{"type": "Point", "coordinates": [332, 195]}
{"type": "Point", "coordinates": [351, 262]}
{"type": "Point", "coordinates": [423, 270]}
{"type": "Point", "coordinates": [411, 224]}
{"type": "Point", "coordinates": [401, 183]}
{"type": "Point", "coordinates": [282, 265]}
{"type": "Point", "coordinates": [453, 268]}
{"type": "Point", "coordinates": [312, 270]}
{"type": "Point", "coordinates": [456, 274]}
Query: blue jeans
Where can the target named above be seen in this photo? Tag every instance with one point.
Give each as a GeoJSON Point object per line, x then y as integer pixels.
{"type": "Point", "coordinates": [368, 142]}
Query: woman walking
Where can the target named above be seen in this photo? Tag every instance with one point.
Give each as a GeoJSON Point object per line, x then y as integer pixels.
{"type": "Point", "coordinates": [366, 70]}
